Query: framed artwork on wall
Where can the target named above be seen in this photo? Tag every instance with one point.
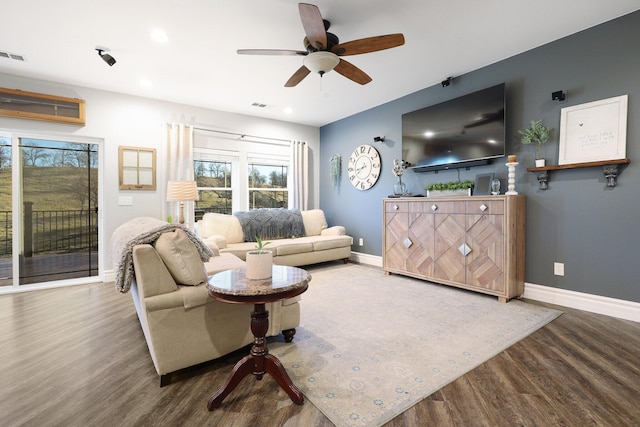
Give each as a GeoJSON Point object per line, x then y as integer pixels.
{"type": "Point", "coordinates": [137, 168]}
{"type": "Point", "coordinates": [595, 131]}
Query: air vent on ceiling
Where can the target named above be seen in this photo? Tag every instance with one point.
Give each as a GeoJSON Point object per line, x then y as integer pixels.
{"type": "Point", "coordinates": [12, 56]}
{"type": "Point", "coordinates": [258, 104]}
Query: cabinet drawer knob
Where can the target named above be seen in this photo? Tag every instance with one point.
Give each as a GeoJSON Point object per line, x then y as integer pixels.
{"type": "Point", "coordinates": [434, 207]}
{"type": "Point", "coordinates": [396, 207]}
{"type": "Point", "coordinates": [483, 207]}
{"type": "Point", "coordinates": [464, 249]}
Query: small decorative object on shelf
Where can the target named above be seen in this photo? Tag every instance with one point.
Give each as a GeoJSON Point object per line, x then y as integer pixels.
{"type": "Point", "coordinates": [512, 158]}
{"type": "Point", "coordinates": [399, 188]}
{"type": "Point", "coordinates": [448, 189]}
{"type": "Point", "coordinates": [512, 179]}
{"type": "Point", "coordinates": [495, 185]}
{"type": "Point", "coordinates": [536, 134]}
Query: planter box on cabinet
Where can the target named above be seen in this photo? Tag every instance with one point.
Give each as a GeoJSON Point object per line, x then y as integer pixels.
{"type": "Point", "coordinates": [475, 243]}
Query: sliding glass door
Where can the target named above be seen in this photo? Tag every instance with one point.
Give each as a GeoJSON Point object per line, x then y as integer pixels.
{"type": "Point", "coordinates": [6, 226]}
{"type": "Point", "coordinates": [51, 215]}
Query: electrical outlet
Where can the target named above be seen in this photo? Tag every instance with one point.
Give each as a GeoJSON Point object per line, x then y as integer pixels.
{"type": "Point", "coordinates": [558, 268]}
{"type": "Point", "coordinates": [361, 242]}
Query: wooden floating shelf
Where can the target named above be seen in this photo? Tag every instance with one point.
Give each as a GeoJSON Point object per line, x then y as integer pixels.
{"type": "Point", "coordinates": [610, 170]}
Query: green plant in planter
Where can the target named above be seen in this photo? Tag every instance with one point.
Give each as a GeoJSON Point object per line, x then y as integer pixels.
{"type": "Point", "coordinates": [260, 246]}
{"type": "Point", "coordinates": [536, 134]}
{"type": "Point", "coordinates": [453, 185]}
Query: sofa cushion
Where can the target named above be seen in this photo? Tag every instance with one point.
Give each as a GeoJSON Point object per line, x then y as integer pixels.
{"type": "Point", "coordinates": [323, 243]}
{"type": "Point", "coordinates": [226, 225]}
{"type": "Point", "coordinates": [181, 258]}
{"type": "Point", "coordinates": [314, 221]}
{"type": "Point", "coordinates": [292, 246]}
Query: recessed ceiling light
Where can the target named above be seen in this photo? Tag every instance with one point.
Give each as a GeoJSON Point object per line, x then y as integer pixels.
{"type": "Point", "coordinates": [288, 110]}
{"type": "Point", "coordinates": [145, 82]}
{"type": "Point", "coordinates": [159, 35]}
{"type": "Point", "coordinates": [429, 134]}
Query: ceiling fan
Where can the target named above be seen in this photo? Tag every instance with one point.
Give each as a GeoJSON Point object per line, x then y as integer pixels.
{"type": "Point", "coordinates": [323, 49]}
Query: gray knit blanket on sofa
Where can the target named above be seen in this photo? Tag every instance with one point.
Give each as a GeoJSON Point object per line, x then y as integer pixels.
{"type": "Point", "coordinates": [270, 223]}
{"type": "Point", "coordinates": [139, 231]}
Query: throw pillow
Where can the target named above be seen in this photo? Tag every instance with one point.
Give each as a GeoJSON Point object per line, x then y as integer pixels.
{"type": "Point", "coordinates": [181, 258]}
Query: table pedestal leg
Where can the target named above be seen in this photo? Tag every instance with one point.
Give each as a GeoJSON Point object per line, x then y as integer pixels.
{"type": "Point", "coordinates": [257, 362]}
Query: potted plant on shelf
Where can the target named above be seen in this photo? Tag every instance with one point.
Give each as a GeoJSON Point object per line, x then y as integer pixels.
{"type": "Point", "coordinates": [259, 262]}
{"type": "Point", "coordinates": [454, 188]}
{"type": "Point", "coordinates": [536, 134]}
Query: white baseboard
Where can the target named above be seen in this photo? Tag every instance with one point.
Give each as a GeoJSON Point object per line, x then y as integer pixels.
{"type": "Point", "coordinates": [109, 275]}
{"type": "Point", "coordinates": [621, 309]}
{"type": "Point", "coordinates": [373, 260]}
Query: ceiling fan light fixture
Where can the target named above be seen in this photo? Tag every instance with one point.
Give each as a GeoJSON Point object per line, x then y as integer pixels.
{"type": "Point", "coordinates": [321, 62]}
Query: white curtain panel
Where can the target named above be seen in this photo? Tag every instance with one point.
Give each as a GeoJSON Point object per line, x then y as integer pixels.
{"type": "Point", "coordinates": [178, 142]}
{"type": "Point", "coordinates": [299, 175]}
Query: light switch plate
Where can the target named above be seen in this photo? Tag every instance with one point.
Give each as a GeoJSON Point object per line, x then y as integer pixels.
{"type": "Point", "coordinates": [125, 201]}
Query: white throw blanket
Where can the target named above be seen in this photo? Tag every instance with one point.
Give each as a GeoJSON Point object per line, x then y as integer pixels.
{"type": "Point", "coordinates": [139, 231]}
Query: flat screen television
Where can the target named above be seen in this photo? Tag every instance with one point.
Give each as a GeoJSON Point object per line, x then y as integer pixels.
{"type": "Point", "coordinates": [462, 132]}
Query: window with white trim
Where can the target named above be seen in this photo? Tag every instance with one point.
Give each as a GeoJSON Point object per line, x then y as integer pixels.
{"type": "Point", "coordinates": [237, 175]}
{"type": "Point", "coordinates": [267, 182]}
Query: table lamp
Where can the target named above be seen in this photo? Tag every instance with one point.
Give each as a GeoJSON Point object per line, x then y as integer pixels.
{"type": "Point", "coordinates": [182, 191]}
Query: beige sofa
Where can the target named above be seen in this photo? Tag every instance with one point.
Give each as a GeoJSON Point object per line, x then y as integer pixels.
{"type": "Point", "coordinates": [182, 324]}
{"type": "Point", "coordinates": [320, 242]}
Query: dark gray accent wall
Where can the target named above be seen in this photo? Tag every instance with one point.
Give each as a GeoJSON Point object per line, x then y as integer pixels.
{"type": "Point", "coordinates": [591, 228]}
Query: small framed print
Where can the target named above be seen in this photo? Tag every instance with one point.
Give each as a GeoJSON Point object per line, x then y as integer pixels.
{"type": "Point", "coordinates": [483, 184]}
{"type": "Point", "coordinates": [137, 168]}
{"type": "Point", "coordinates": [595, 131]}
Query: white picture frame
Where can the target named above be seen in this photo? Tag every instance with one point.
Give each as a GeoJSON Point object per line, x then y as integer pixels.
{"type": "Point", "coordinates": [593, 132]}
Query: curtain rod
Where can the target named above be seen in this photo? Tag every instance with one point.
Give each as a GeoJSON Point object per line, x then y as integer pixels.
{"type": "Point", "coordinates": [241, 135]}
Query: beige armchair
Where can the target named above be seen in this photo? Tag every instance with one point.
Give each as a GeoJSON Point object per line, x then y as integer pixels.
{"type": "Point", "coordinates": [182, 325]}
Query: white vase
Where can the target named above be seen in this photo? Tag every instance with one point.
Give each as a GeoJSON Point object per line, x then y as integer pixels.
{"type": "Point", "coordinates": [259, 264]}
{"type": "Point", "coordinates": [540, 163]}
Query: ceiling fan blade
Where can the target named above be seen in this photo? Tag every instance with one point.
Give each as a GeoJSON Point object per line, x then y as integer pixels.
{"type": "Point", "coordinates": [313, 25]}
{"type": "Point", "coordinates": [352, 72]}
{"type": "Point", "coordinates": [283, 52]}
{"type": "Point", "coordinates": [297, 77]}
{"type": "Point", "coordinates": [369, 44]}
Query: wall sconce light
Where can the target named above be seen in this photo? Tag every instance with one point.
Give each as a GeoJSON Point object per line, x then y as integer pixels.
{"type": "Point", "coordinates": [378, 139]}
{"type": "Point", "coordinates": [559, 95]}
{"type": "Point", "coordinates": [106, 57]}
{"type": "Point", "coordinates": [447, 81]}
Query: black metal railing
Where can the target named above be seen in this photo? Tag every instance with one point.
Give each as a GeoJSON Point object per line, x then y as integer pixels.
{"type": "Point", "coordinates": [56, 231]}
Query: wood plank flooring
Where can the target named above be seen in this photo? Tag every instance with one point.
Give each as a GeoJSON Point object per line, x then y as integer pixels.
{"type": "Point", "coordinates": [77, 357]}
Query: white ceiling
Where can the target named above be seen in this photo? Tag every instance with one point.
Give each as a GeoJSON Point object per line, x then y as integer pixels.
{"type": "Point", "coordinates": [199, 65]}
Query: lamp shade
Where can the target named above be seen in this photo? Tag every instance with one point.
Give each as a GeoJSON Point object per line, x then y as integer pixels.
{"type": "Point", "coordinates": [182, 191]}
{"type": "Point", "coordinates": [321, 62]}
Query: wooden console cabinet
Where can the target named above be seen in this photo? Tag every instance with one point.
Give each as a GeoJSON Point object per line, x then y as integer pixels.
{"type": "Point", "coordinates": [475, 243]}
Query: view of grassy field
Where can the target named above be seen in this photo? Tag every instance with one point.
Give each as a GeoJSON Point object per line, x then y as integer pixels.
{"type": "Point", "coordinates": [51, 188]}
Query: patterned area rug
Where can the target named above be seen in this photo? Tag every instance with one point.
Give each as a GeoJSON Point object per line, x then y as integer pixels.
{"type": "Point", "coordinates": [370, 346]}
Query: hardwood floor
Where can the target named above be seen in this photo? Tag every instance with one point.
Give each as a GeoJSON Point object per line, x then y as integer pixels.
{"type": "Point", "coordinates": [77, 357]}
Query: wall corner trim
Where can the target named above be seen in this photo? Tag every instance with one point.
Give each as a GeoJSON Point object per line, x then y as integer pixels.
{"type": "Point", "coordinates": [621, 309]}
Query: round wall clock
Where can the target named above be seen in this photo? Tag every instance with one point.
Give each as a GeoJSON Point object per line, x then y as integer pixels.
{"type": "Point", "coordinates": [364, 167]}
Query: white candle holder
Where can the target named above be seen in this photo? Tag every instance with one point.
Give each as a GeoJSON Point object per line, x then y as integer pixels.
{"type": "Point", "coordinates": [512, 179]}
